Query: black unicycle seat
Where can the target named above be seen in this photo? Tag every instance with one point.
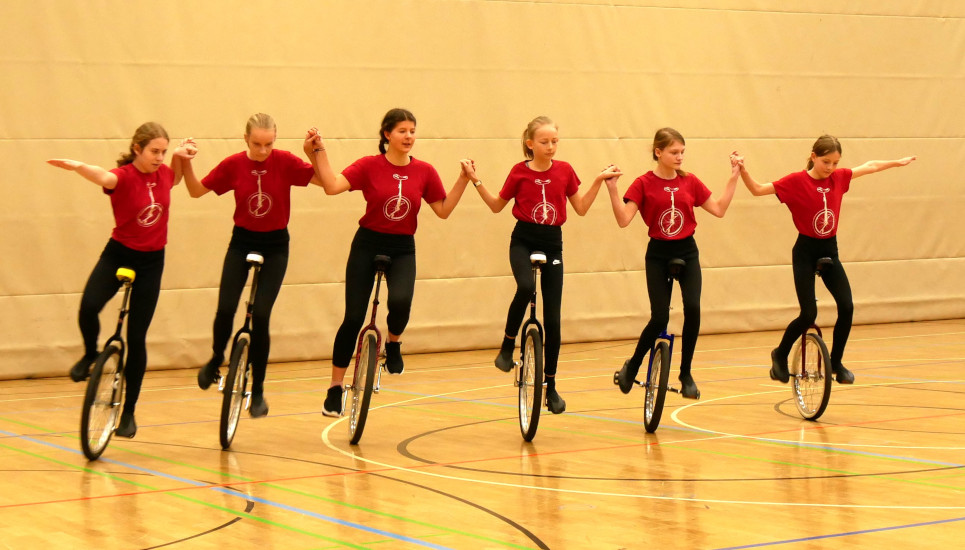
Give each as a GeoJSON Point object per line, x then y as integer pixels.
{"type": "Point", "coordinates": [676, 266]}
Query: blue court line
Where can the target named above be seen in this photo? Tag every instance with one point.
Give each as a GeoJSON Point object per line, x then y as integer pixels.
{"type": "Point", "coordinates": [235, 494]}
{"type": "Point", "coordinates": [848, 534]}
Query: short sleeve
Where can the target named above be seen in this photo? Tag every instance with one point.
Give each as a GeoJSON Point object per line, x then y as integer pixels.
{"type": "Point", "coordinates": [433, 191]}
{"type": "Point", "coordinates": [219, 178]}
{"type": "Point", "coordinates": [635, 194]}
{"type": "Point", "coordinates": [357, 174]}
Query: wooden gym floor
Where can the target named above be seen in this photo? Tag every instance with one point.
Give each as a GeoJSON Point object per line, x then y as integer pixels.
{"type": "Point", "coordinates": [442, 463]}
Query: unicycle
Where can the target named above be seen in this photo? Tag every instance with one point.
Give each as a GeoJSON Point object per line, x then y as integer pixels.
{"type": "Point", "coordinates": [657, 382]}
{"type": "Point", "coordinates": [234, 385]}
{"type": "Point", "coordinates": [367, 377]}
{"type": "Point", "coordinates": [810, 366]}
{"type": "Point", "coordinates": [105, 386]}
{"type": "Point", "coordinates": [529, 369]}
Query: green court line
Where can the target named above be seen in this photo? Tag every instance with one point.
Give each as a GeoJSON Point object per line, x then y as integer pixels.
{"type": "Point", "coordinates": [229, 475]}
{"type": "Point", "coordinates": [187, 498]}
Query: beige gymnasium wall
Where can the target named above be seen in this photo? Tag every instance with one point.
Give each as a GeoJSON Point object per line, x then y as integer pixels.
{"type": "Point", "coordinates": [765, 78]}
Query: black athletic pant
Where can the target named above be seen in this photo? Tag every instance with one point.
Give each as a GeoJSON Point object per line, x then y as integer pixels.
{"type": "Point", "coordinates": [804, 257]}
{"type": "Point", "coordinates": [659, 254]}
{"type": "Point", "coordinates": [102, 285]}
{"type": "Point", "coordinates": [360, 279]}
{"type": "Point", "coordinates": [273, 246]}
{"type": "Point", "coordinates": [526, 238]}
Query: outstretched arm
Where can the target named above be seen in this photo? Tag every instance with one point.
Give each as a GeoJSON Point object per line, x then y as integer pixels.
{"type": "Point", "coordinates": [582, 200]}
{"type": "Point", "coordinates": [181, 164]}
{"type": "Point", "coordinates": [96, 174]}
{"type": "Point", "coordinates": [718, 207]}
{"type": "Point", "coordinates": [873, 166]}
{"type": "Point", "coordinates": [622, 211]}
{"type": "Point", "coordinates": [445, 207]}
{"type": "Point", "coordinates": [755, 188]}
{"type": "Point", "coordinates": [324, 175]}
{"type": "Point", "coordinates": [494, 202]}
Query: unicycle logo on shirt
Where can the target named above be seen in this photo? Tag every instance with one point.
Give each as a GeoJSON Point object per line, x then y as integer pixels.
{"type": "Point", "coordinates": [259, 203]}
{"type": "Point", "coordinates": [544, 213]}
{"type": "Point", "coordinates": [150, 214]}
{"type": "Point", "coordinates": [823, 222]}
{"type": "Point", "coordinates": [397, 207]}
{"type": "Point", "coordinates": [671, 220]}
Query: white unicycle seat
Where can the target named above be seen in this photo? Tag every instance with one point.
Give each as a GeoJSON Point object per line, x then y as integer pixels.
{"type": "Point", "coordinates": [537, 258]}
{"type": "Point", "coordinates": [255, 258]}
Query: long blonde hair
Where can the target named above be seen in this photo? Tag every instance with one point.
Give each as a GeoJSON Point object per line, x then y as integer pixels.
{"type": "Point", "coordinates": [530, 130]}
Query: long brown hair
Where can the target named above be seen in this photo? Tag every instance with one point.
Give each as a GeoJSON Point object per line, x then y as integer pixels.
{"type": "Point", "coordinates": [142, 136]}
{"type": "Point", "coordinates": [825, 145]}
{"type": "Point", "coordinates": [393, 117]}
{"type": "Point", "coordinates": [664, 138]}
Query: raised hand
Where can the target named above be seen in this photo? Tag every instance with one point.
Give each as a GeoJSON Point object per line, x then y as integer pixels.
{"type": "Point", "coordinates": [187, 149]}
{"type": "Point", "coordinates": [468, 167]}
{"type": "Point", "coordinates": [611, 174]}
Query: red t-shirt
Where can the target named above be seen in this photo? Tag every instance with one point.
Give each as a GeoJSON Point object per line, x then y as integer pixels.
{"type": "Point", "coordinates": [262, 189]}
{"type": "Point", "coordinates": [667, 206]}
{"type": "Point", "coordinates": [141, 202]}
{"type": "Point", "coordinates": [814, 204]}
{"type": "Point", "coordinates": [393, 194]}
{"type": "Point", "coordinates": [540, 196]}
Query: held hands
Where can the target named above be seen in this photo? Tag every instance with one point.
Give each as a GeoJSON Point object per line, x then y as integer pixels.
{"type": "Point", "coordinates": [313, 142]}
{"type": "Point", "coordinates": [187, 149]}
{"type": "Point", "coordinates": [736, 163]}
{"type": "Point", "coordinates": [468, 170]}
{"type": "Point", "coordinates": [611, 174]}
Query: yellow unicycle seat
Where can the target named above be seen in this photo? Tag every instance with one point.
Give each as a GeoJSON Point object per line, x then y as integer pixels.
{"type": "Point", "coordinates": [125, 275]}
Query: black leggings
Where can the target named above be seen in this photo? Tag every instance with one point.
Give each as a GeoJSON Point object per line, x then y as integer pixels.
{"type": "Point", "coordinates": [273, 246]}
{"type": "Point", "coordinates": [659, 254]}
{"type": "Point", "coordinates": [548, 239]}
{"type": "Point", "coordinates": [804, 257]}
{"type": "Point", "coordinates": [102, 285]}
{"type": "Point", "coordinates": [359, 280]}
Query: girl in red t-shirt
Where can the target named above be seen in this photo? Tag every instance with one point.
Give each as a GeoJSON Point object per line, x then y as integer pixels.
{"type": "Point", "coordinates": [394, 184]}
{"type": "Point", "coordinates": [140, 192]}
{"type": "Point", "coordinates": [665, 198]}
{"type": "Point", "coordinates": [814, 199]}
{"type": "Point", "coordinates": [539, 187]}
{"type": "Point", "coordinates": [261, 179]}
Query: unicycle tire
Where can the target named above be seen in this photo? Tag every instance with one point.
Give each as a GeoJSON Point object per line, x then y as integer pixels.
{"type": "Point", "coordinates": [530, 383]}
{"type": "Point", "coordinates": [656, 386]}
{"type": "Point", "coordinates": [811, 381]}
{"type": "Point", "coordinates": [102, 402]}
{"type": "Point", "coordinates": [360, 393]}
{"type": "Point", "coordinates": [234, 392]}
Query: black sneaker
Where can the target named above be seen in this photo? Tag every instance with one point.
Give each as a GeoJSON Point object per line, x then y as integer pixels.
{"type": "Point", "coordinates": [779, 367]}
{"type": "Point", "coordinates": [393, 358]}
{"type": "Point", "coordinates": [81, 369]}
{"type": "Point", "coordinates": [843, 375]}
{"type": "Point", "coordinates": [127, 427]}
{"type": "Point", "coordinates": [625, 377]}
{"type": "Point", "coordinates": [554, 403]}
{"type": "Point", "coordinates": [333, 402]}
{"type": "Point", "coordinates": [504, 360]}
{"type": "Point", "coordinates": [210, 373]}
{"type": "Point", "coordinates": [688, 388]}
{"type": "Point", "coordinates": [259, 407]}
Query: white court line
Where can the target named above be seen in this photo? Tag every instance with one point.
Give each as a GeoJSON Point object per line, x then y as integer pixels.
{"type": "Point", "coordinates": [423, 472]}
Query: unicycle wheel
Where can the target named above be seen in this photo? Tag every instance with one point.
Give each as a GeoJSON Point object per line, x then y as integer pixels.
{"type": "Point", "coordinates": [360, 393]}
{"type": "Point", "coordinates": [657, 381]}
{"type": "Point", "coordinates": [530, 383]}
{"type": "Point", "coordinates": [102, 402]}
{"type": "Point", "coordinates": [234, 393]}
{"type": "Point", "coordinates": [811, 378]}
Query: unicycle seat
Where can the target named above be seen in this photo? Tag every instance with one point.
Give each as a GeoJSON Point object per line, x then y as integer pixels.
{"type": "Point", "coordinates": [676, 267]}
{"type": "Point", "coordinates": [822, 265]}
{"type": "Point", "coordinates": [255, 258]}
{"type": "Point", "coordinates": [382, 263]}
{"type": "Point", "coordinates": [537, 257]}
{"type": "Point", "coordinates": [125, 275]}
